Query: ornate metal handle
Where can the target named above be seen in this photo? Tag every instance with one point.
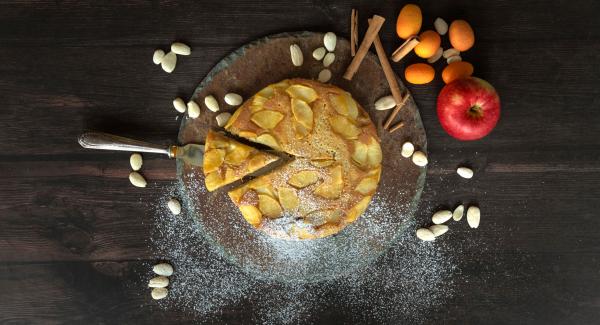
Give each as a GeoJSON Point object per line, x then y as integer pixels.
{"type": "Point", "coordinates": [105, 141]}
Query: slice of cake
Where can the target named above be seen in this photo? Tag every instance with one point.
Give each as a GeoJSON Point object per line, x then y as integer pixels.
{"type": "Point", "coordinates": [227, 160]}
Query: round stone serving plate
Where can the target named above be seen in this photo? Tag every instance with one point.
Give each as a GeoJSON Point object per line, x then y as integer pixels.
{"type": "Point", "coordinates": [245, 72]}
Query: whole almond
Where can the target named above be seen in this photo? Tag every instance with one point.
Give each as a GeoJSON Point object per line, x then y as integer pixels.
{"type": "Point", "coordinates": [159, 293]}
{"type": "Point", "coordinates": [233, 99]}
{"type": "Point", "coordinates": [407, 149]}
{"type": "Point", "coordinates": [438, 230]}
{"type": "Point", "coordinates": [324, 75]}
{"type": "Point", "coordinates": [328, 59]}
{"type": "Point", "coordinates": [330, 40]}
{"type": "Point", "coordinates": [425, 234]}
{"type": "Point", "coordinates": [457, 214]}
{"type": "Point", "coordinates": [169, 61]}
{"type": "Point", "coordinates": [180, 49]}
{"type": "Point", "coordinates": [464, 172]}
{"type": "Point", "coordinates": [179, 105]}
{"type": "Point", "coordinates": [223, 118]}
{"type": "Point", "coordinates": [473, 216]}
{"type": "Point", "coordinates": [158, 56]}
{"type": "Point", "coordinates": [436, 56]}
{"type": "Point", "coordinates": [319, 53]}
{"type": "Point", "coordinates": [441, 216]}
{"type": "Point", "coordinates": [163, 269]}
{"type": "Point", "coordinates": [137, 180]}
{"type": "Point", "coordinates": [419, 159]}
{"type": "Point", "coordinates": [193, 109]}
{"type": "Point", "coordinates": [441, 26]}
{"type": "Point", "coordinates": [211, 103]}
{"type": "Point", "coordinates": [296, 54]}
{"type": "Point", "coordinates": [174, 206]}
{"type": "Point", "coordinates": [160, 281]}
{"type": "Point", "coordinates": [135, 160]}
{"type": "Point", "coordinates": [385, 103]}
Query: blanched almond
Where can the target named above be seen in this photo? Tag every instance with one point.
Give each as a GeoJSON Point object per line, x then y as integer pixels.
{"type": "Point", "coordinates": [438, 230]}
{"type": "Point", "coordinates": [419, 159]}
{"type": "Point", "coordinates": [441, 216]}
{"type": "Point", "coordinates": [385, 103]}
{"type": "Point", "coordinates": [160, 281]}
{"type": "Point", "coordinates": [450, 52]}
{"type": "Point", "coordinates": [159, 293]}
{"type": "Point", "coordinates": [457, 214]}
{"type": "Point", "coordinates": [135, 160]}
{"type": "Point", "coordinates": [158, 56]}
{"type": "Point", "coordinates": [436, 56]}
{"type": "Point", "coordinates": [179, 105]}
{"type": "Point", "coordinates": [211, 103]}
{"type": "Point", "coordinates": [137, 180]}
{"type": "Point", "coordinates": [163, 269]}
{"type": "Point", "coordinates": [193, 109]}
{"type": "Point", "coordinates": [296, 54]}
{"type": "Point", "coordinates": [223, 118]}
{"type": "Point", "coordinates": [328, 59]}
{"type": "Point", "coordinates": [319, 53]}
{"type": "Point", "coordinates": [473, 216]}
{"type": "Point", "coordinates": [233, 99]}
{"type": "Point", "coordinates": [330, 40]}
{"type": "Point", "coordinates": [324, 75]}
{"type": "Point", "coordinates": [425, 234]}
{"type": "Point", "coordinates": [407, 149]}
{"type": "Point", "coordinates": [168, 62]}
{"type": "Point", "coordinates": [464, 172]}
{"type": "Point", "coordinates": [454, 58]}
{"type": "Point", "coordinates": [180, 49]}
{"type": "Point", "coordinates": [174, 206]}
{"type": "Point", "coordinates": [441, 26]}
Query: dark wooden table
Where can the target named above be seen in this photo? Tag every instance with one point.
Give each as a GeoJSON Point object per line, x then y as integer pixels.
{"type": "Point", "coordinates": [73, 230]}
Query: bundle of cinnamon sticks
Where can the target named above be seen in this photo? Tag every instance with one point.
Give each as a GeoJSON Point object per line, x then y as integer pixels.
{"type": "Point", "coordinates": [372, 37]}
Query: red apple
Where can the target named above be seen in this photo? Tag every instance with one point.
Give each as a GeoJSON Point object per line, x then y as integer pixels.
{"type": "Point", "coordinates": [468, 108]}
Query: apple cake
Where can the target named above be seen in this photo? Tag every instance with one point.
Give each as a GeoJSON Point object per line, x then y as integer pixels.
{"type": "Point", "coordinates": [227, 160]}
{"type": "Point", "coordinates": [336, 166]}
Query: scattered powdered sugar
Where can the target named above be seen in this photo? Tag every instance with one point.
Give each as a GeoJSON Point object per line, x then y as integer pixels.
{"type": "Point", "coordinates": [367, 280]}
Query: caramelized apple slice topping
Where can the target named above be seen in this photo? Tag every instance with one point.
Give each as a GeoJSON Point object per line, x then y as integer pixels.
{"type": "Point", "coordinates": [266, 119]}
{"type": "Point", "coordinates": [302, 92]}
{"type": "Point", "coordinates": [303, 178]}
{"type": "Point", "coordinates": [269, 206]}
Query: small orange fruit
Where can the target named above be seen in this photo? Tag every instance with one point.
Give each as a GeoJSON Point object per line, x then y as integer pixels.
{"type": "Point", "coordinates": [419, 73]}
{"type": "Point", "coordinates": [429, 43]}
{"type": "Point", "coordinates": [409, 21]}
{"type": "Point", "coordinates": [457, 70]}
{"type": "Point", "coordinates": [461, 35]}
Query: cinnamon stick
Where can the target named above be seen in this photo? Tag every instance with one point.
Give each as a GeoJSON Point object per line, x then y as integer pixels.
{"type": "Point", "coordinates": [353, 31]}
{"type": "Point", "coordinates": [397, 127]}
{"type": "Point", "coordinates": [391, 78]}
{"type": "Point", "coordinates": [374, 27]}
{"type": "Point", "coordinates": [405, 48]}
{"type": "Point", "coordinates": [395, 112]}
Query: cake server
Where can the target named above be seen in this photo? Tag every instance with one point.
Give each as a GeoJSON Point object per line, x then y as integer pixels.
{"type": "Point", "coordinates": [192, 154]}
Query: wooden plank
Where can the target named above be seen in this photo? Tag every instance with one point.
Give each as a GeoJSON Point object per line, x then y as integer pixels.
{"type": "Point", "coordinates": [116, 293]}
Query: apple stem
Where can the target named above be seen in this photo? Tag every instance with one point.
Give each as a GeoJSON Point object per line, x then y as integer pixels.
{"type": "Point", "coordinates": [475, 111]}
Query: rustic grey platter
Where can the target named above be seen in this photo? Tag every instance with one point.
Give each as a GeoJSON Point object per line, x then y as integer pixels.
{"type": "Point", "coordinates": [246, 71]}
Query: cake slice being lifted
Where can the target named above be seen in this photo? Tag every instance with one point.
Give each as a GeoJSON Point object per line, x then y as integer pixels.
{"type": "Point", "coordinates": [227, 160]}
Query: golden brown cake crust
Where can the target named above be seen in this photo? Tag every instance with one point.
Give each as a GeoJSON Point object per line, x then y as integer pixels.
{"type": "Point", "coordinates": [337, 165]}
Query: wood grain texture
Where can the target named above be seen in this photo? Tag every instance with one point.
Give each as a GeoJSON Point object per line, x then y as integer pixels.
{"type": "Point", "coordinates": [74, 233]}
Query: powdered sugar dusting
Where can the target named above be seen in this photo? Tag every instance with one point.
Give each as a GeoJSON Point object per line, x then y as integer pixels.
{"type": "Point", "coordinates": [408, 279]}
